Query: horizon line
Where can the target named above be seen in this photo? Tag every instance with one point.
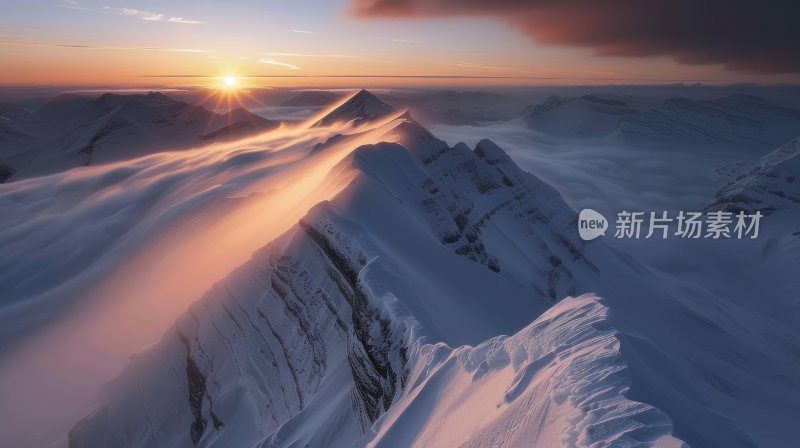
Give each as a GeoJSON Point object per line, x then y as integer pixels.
{"type": "Point", "coordinates": [521, 77]}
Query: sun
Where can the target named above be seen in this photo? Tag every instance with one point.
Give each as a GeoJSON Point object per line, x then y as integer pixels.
{"type": "Point", "coordinates": [228, 92]}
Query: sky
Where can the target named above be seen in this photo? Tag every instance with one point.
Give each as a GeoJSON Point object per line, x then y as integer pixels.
{"type": "Point", "coordinates": [322, 42]}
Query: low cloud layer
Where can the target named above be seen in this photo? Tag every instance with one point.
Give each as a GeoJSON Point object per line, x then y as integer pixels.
{"type": "Point", "coordinates": [745, 35]}
{"type": "Point", "coordinates": [604, 175]}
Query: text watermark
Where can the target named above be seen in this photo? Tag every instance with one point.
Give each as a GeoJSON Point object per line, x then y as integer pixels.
{"type": "Point", "coordinates": [660, 225]}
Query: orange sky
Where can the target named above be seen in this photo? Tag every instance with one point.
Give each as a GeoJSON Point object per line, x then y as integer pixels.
{"type": "Point", "coordinates": [82, 43]}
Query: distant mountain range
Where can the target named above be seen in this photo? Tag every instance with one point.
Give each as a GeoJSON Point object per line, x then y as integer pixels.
{"type": "Point", "coordinates": [741, 120]}
{"type": "Point", "coordinates": [73, 130]}
{"type": "Point", "coordinates": [457, 108]}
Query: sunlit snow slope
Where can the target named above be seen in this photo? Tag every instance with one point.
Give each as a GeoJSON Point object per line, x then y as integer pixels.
{"type": "Point", "coordinates": [386, 267]}
{"type": "Point", "coordinates": [98, 261]}
{"type": "Point", "coordinates": [319, 326]}
{"type": "Point", "coordinates": [560, 381]}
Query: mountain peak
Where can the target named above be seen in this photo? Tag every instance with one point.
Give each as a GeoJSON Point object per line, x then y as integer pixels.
{"type": "Point", "coordinates": [363, 106]}
{"type": "Point", "coordinates": [364, 93]}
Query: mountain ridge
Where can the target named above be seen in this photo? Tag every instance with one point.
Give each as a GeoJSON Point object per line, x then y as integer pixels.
{"type": "Point", "coordinates": [360, 265]}
{"type": "Point", "coordinates": [770, 186]}
{"type": "Point", "coordinates": [386, 301]}
{"type": "Point", "coordinates": [73, 130]}
{"type": "Point", "coordinates": [632, 120]}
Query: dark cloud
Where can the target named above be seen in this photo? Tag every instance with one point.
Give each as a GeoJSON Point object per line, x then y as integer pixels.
{"type": "Point", "coordinates": [746, 35]}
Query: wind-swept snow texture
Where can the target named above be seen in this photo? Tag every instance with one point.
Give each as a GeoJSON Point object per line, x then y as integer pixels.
{"type": "Point", "coordinates": [559, 382]}
{"type": "Point", "coordinates": [375, 318]}
{"type": "Point", "coordinates": [94, 250]}
{"type": "Point", "coordinates": [316, 328]}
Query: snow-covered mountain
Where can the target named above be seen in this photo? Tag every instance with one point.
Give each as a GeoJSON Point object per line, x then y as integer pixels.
{"type": "Point", "coordinates": [560, 381]}
{"type": "Point", "coordinates": [587, 116]}
{"type": "Point", "coordinates": [737, 120]}
{"type": "Point", "coordinates": [377, 320]}
{"type": "Point", "coordinates": [361, 107]}
{"type": "Point", "coordinates": [10, 126]}
{"type": "Point", "coordinates": [352, 286]}
{"type": "Point", "coordinates": [12, 134]}
{"type": "Point", "coordinates": [73, 130]}
{"type": "Point", "coordinates": [771, 185]}
{"type": "Point", "coordinates": [401, 292]}
{"type": "Point", "coordinates": [742, 120]}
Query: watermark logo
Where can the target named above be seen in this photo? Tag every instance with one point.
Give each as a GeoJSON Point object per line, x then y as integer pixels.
{"type": "Point", "coordinates": [591, 224]}
{"type": "Point", "coordinates": [689, 225]}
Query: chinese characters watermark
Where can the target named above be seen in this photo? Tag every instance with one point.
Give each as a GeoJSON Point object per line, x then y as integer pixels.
{"type": "Point", "coordinates": [660, 225]}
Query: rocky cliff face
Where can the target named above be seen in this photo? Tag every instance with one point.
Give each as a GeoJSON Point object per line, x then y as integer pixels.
{"type": "Point", "coordinates": [329, 314]}
{"type": "Point", "coordinates": [377, 320]}
{"type": "Point", "coordinates": [257, 349]}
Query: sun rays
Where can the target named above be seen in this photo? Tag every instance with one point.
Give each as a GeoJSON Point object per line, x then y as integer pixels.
{"type": "Point", "coordinates": [227, 95]}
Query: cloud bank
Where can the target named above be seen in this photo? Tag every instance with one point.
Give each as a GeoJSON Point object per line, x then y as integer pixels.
{"type": "Point", "coordinates": [744, 35]}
